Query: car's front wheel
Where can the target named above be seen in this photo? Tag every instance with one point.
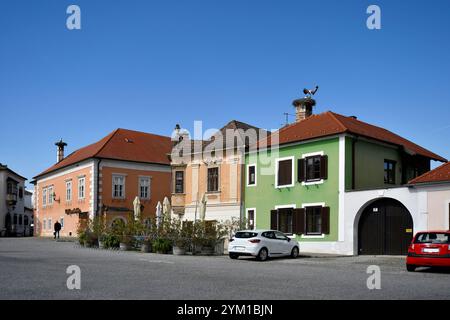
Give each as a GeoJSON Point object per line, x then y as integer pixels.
{"type": "Point", "coordinates": [262, 254]}
{"type": "Point", "coordinates": [234, 255]}
{"type": "Point", "coordinates": [294, 253]}
{"type": "Point", "coordinates": [410, 267]}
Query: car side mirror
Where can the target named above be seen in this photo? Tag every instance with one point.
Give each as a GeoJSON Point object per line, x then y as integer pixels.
{"type": "Point", "coordinates": [288, 239]}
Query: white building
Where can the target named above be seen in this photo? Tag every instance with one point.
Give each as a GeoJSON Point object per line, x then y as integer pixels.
{"type": "Point", "coordinates": [15, 220]}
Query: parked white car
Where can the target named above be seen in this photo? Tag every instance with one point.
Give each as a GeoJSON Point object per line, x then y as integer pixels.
{"type": "Point", "coordinates": [262, 244]}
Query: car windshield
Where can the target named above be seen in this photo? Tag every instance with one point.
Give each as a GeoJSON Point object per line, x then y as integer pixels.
{"type": "Point", "coordinates": [433, 237]}
{"type": "Point", "coordinates": [245, 235]}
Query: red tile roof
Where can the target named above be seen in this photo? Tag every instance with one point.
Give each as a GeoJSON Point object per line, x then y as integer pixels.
{"type": "Point", "coordinates": [121, 144]}
{"type": "Point", "coordinates": [440, 174]}
{"type": "Point", "coordinates": [330, 123]}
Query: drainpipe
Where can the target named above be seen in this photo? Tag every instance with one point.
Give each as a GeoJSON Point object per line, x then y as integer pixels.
{"type": "Point", "coordinates": [354, 140]}
{"type": "Point", "coordinates": [98, 188]}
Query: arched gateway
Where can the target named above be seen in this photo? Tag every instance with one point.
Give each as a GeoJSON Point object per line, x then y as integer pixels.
{"type": "Point", "coordinates": [385, 228]}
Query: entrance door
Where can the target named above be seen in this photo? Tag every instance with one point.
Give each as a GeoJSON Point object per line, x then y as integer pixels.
{"type": "Point", "coordinates": [385, 228]}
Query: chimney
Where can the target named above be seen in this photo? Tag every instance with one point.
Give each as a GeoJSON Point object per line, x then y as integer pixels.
{"type": "Point", "coordinates": [60, 151]}
{"type": "Point", "coordinates": [303, 108]}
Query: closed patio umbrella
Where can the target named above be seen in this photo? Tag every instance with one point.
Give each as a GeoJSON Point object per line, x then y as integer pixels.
{"type": "Point", "coordinates": [203, 207]}
{"type": "Point", "coordinates": [158, 213]}
{"type": "Point", "coordinates": [137, 208]}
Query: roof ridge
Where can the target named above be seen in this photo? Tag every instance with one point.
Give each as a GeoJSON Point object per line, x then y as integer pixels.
{"type": "Point", "coordinates": [112, 134]}
{"type": "Point", "coordinates": [333, 116]}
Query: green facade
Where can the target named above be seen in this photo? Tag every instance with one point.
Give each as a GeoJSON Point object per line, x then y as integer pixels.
{"type": "Point", "coordinates": [363, 169]}
{"type": "Point", "coordinates": [264, 197]}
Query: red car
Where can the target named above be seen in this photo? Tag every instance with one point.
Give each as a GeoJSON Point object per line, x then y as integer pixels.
{"type": "Point", "coordinates": [429, 249]}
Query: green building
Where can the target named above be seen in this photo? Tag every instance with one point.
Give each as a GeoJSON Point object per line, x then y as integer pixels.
{"type": "Point", "coordinates": [299, 179]}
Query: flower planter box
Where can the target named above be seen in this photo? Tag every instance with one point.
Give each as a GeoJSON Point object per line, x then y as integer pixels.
{"type": "Point", "coordinates": [125, 246]}
{"type": "Point", "coordinates": [207, 251]}
{"type": "Point", "coordinates": [101, 244]}
{"type": "Point", "coordinates": [179, 251]}
{"type": "Point", "coordinates": [146, 248]}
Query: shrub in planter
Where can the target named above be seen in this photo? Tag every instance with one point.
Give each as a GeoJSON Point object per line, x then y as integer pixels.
{"type": "Point", "coordinates": [82, 236]}
{"type": "Point", "coordinates": [180, 245]}
{"type": "Point", "coordinates": [126, 243]}
{"type": "Point", "coordinates": [146, 245]}
{"type": "Point", "coordinates": [161, 245]}
{"type": "Point", "coordinates": [111, 241]}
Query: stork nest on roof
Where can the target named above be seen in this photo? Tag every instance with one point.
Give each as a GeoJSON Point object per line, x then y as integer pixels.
{"type": "Point", "coordinates": [307, 102]}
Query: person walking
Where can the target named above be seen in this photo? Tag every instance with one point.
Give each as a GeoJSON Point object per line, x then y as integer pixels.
{"type": "Point", "coordinates": [57, 229]}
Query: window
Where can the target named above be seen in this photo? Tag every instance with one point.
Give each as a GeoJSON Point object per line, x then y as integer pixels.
{"type": "Point", "coordinates": [61, 221]}
{"type": "Point", "coordinates": [81, 187]}
{"type": "Point", "coordinates": [280, 236]}
{"type": "Point", "coordinates": [433, 237]}
{"type": "Point", "coordinates": [50, 195]}
{"type": "Point", "coordinates": [313, 221]}
{"type": "Point", "coordinates": [20, 192]}
{"type": "Point", "coordinates": [44, 224]}
{"type": "Point", "coordinates": [119, 187]}
{"type": "Point", "coordinates": [389, 171]}
{"type": "Point", "coordinates": [44, 197]}
{"type": "Point", "coordinates": [251, 175]}
{"type": "Point", "coordinates": [284, 174]}
{"type": "Point", "coordinates": [49, 224]}
{"type": "Point", "coordinates": [25, 220]}
{"type": "Point", "coordinates": [251, 219]}
{"type": "Point", "coordinates": [15, 219]}
{"type": "Point", "coordinates": [68, 191]}
{"type": "Point", "coordinates": [213, 179]}
{"type": "Point", "coordinates": [144, 187]}
{"type": "Point", "coordinates": [11, 187]}
{"type": "Point", "coordinates": [179, 181]}
{"type": "Point", "coordinates": [245, 235]}
{"type": "Point", "coordinates": [285, 220]}
{"type": "Point", "coordinates": [313, 168]}
{"type": "Point", "coordinates": [20, 219]}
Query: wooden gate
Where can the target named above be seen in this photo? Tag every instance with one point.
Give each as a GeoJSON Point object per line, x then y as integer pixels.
{"type": "Point", "coordinates": [385, 228]}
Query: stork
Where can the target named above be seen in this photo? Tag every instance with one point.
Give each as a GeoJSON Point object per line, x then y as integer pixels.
{"type": "Point", "coordinates": [310, 92]}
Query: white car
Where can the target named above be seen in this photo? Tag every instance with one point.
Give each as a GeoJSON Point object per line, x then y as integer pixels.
{"type": "Point", "coordinates": [262, 244]}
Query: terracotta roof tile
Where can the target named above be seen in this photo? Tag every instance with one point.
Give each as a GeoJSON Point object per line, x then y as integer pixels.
{"type": "Point", "coordinates": [330, 123]}
{"type": "Point", "coordinates": [121, 144]}
{"type": "Point", "coordinates": [440, 174]}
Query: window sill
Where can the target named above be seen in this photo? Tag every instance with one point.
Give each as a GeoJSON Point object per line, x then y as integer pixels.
{"type": "Point", "coordinates": [313, 182]}
{"type": "Point", "coordinates": [213, 192]}
{"type": "Point", "coordinates": [312, 236]}
{"type": "Point", "coordinates": [251, 185]}
{"type": "Point", "coordinates": [285, 186]}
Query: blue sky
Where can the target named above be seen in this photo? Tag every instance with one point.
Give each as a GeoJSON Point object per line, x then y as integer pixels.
{"type": "Point", "coordinates": [147, 65]}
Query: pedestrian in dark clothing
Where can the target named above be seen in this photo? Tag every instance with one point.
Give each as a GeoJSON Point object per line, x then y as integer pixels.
{"type": "Point", "coordinates": [57, 228]}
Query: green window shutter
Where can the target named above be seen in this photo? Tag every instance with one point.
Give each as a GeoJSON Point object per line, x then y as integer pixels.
{"type": "Point", "coordinates": [326, 220]}
{"type": "Point", "coordinates": [274, 219]}
{"type": "Point", "coordinates": [324, 167]}
{"type": "Point", "coordinates": [301, 170]}
{"type": "Point", "coordinates": [298, 221]}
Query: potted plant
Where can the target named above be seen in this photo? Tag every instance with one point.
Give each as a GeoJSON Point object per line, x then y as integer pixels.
{"type": "Point", "coordinates": [146, 245]}
{"type": "Point", "coordinates": [111, 241]}
{"type": "Point", "coordinates": [161, 245]}
{"type": "Point", "coordinates": [101, 240]}
{"type": "Point", "coordinates": [180, 245]}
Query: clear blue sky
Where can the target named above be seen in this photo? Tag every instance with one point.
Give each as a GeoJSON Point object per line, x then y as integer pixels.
{"type": "Point", "coordinates": [147, 65]}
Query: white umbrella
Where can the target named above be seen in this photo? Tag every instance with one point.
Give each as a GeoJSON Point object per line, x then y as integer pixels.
{"type": "Point", "coordinates": [167, 208]}
{"type": "Point", "coordinates": [158, 213]}
{"type": "Point", "coordinates": [137, 208]}
{"type": "Point", "coordinates": [203, 207]}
